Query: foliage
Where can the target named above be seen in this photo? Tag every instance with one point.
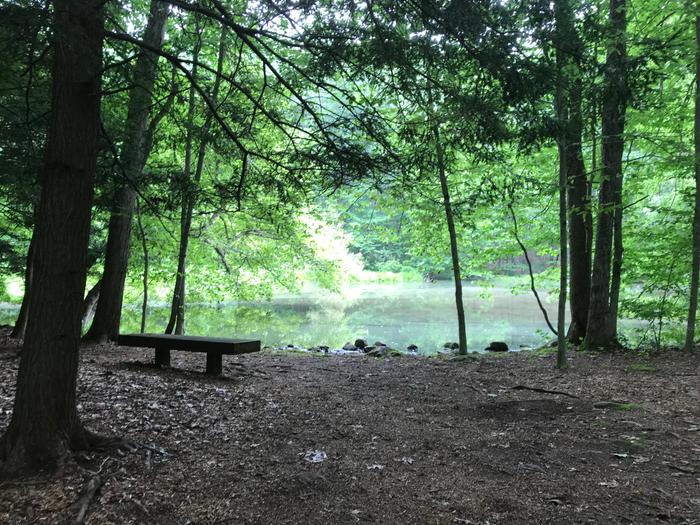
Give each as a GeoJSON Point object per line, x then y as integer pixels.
{"type": "Point", "coordinates": [321, 163]}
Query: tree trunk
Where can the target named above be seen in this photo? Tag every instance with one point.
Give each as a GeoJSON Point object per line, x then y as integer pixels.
{"type": "Point", "coordinates": [616, 278]}
{"type": "Point", "coordinates": [177, 310]}
{"type": "Point", "coordinates": [21, 322]}
{"type": "Point", "coordinates": [144, 246]}
{"type": "Point", "coordinates": [45, 425]}
{"type": "Point", "coordinates": [601, 325]}
{"type": "Point", "coordinates": [461, 323]}
{"type": "Point", "coordinates": [105, 325]}
{"type": "Point", "coordinates": [580, 221]}
{"type": "Point", "coordinates": [176, 322]}
{"type": "Point", "coordinates": [90, 303]}
{"type": "Point", "coordinates": [563, 261]}
{"type": "Point", "coordinates": [569, 53]}
{"type": "Point", "coordinates": [563, 35]}
{"type": "Point", "coordinates": [695, 274]}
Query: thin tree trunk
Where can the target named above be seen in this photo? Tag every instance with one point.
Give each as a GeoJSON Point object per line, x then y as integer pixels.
{"type": "Point", "coordinates": [616, 277]}
{"type": "Point", "coordinates": [21, 323]}
{"type": "Point", "coordinates": [177, 311]}
{"type": "Point", "coordinates": [176, 322]}
{"type": "Point", "coordinates": [600, 314]}
{"type": "Point", "coordinates": [561, 103]}
{"type": "Point", "coordinates": [533, 288]}
{"type": "Point", "coordinates": [454, 251]}
{"type": "Point", "coordinates": [90, 303]}
{"type": "Point", "coordinates": [695, 274]}
{"type": "Point", "coordinates": [105, 325]}
{"type": "Point", "coordinates": [45, 425]}
{"type": "Point", "coordinates": [144, 246]}
{"type": "Point", "coordinates": [563, 266]}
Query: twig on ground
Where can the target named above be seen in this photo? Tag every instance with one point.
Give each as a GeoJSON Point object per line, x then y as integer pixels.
{"type": "Point", "coordinates": [544, 391]}
{"type": "Point", "coordinates": [475, 389]}
{"type": "Point", "coordinates": [681, 438]}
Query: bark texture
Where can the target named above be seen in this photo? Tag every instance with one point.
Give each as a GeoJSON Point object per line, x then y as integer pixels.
{"type": "Point", "coordinates": [45, 424]}
{"type": "Point", "coordinates": [602, 312]}
{"type": "Point", "coordinates": [105, 325]}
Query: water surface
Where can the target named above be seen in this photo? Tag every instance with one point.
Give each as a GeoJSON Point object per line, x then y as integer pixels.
{"type": "Point", "coordinates": [398, 315]}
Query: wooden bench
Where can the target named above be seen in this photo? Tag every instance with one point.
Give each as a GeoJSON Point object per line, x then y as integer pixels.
{"type": "Point", "coordinates": [215, 347]}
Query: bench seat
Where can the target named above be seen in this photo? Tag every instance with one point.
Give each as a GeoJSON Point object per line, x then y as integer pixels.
{"type": "Point", "coordinates": [214, 347]}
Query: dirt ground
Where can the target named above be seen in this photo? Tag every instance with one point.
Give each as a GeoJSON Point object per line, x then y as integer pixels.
{"type": "Point", "coordinates": [288, 438]}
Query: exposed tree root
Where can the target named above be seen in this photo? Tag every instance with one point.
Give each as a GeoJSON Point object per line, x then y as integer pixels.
{"type": "Point", "coordinates": [89, 493]}
{"type": "Point", "coordinates": [98, 442]}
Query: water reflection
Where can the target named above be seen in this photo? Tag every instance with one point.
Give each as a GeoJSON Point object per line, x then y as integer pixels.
{"type": "Point", "coordinates": [398, 315]}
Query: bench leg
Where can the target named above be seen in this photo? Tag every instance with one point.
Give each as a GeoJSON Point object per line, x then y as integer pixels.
{"type": "Point", "coordinates": [214, 363]}
{"type": "Point", "coordinates": [162, 356]}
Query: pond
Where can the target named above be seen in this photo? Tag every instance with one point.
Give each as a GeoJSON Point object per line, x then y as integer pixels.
{"type": "Point", "coordinates": [423, 314]}
{"type": "Point", "coordinates": [398, 315]}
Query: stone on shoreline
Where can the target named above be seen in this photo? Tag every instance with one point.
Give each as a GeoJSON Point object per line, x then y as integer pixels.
{"type": "Point", "coordinates": [497, 346]}
{"type": "Point", "coordinates": [383, 351]}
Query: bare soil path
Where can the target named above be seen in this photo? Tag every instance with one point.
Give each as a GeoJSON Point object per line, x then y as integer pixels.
{"type": "Point", "coordinates": [395, 440]}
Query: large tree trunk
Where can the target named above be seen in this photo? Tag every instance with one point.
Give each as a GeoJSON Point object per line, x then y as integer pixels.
{"type": "Point", "coordinates": [105, 325]}
{"type": "Point", "coordinates": [601, 331]}
{"type": "Point", "coordinates": [45, 425]}
{"type": "Point", "coordinates": [695, 273]}
{"type": "Point", "coordinates": [569, 51]}
{"type": "Point", "coordinates": [21, 322]}
{"type": "Point", "coordinates": [454, 250]}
